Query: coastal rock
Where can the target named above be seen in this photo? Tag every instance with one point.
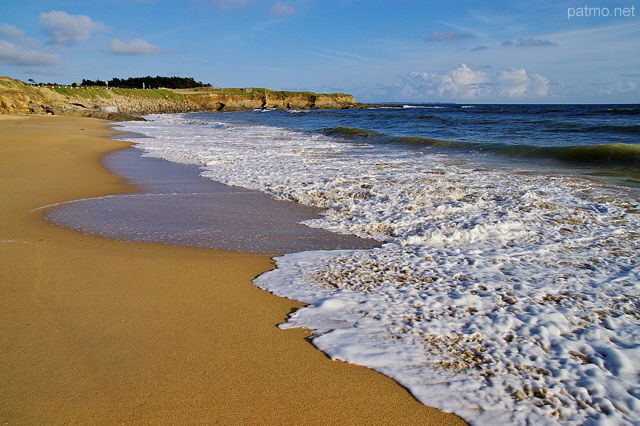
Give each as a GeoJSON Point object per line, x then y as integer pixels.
{"type": "Point", "coordinates": [19, 103]}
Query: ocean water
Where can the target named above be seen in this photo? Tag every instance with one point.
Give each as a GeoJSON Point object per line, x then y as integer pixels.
{"type": "Point", "coordinates": [506, 286]}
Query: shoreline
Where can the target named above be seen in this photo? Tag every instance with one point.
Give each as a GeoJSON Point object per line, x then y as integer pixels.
{"type": "Point", "coordinates": [175, 205]}
{"type": "Point", "coordinates": [102, 331]}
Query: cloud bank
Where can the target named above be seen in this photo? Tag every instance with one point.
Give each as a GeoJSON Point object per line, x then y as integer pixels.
{"type": "Point", "coordinates": [464, 83]}
{"type": "Point", "coordinates": [16, 35]}
{"type": "Point", "coordinates": [21, 56]}
{"type": "Point", "coordinates": [65, 29]}
{"type": "Point", "coordinates": [7, 30]}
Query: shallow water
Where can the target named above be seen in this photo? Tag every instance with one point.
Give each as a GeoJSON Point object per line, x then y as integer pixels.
{"type": "Point", "coordinates": [178, 206]}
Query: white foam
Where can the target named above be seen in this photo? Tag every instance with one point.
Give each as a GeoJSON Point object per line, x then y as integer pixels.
{"type": "Point", "coordinates": [501, 296]}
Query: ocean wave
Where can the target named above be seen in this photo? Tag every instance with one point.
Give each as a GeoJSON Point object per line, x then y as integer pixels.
{"type": "Point", "coordinates": [624, 111]}
{"type": "Point", "coordinates": [351, 133]}
{"type": "Point", "coordinates": [373, 137]}
{"type": "Point", "coordinates": [560, 127]}
{"type": "Point", "coordinates": [605, 154]}
{"type": "Point", "coordinates": [622, 154]}
{"type": "Point", "coordinates": [190, 121]}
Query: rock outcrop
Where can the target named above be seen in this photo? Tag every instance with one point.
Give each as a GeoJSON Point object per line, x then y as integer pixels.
{"type": "Point", "coordinates": [17, 97]}
{"type": "Point", "coordinates": [264, 99]}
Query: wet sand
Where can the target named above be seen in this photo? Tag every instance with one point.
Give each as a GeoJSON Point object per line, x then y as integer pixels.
{"type": "Point", "coordinates": [96, 331]}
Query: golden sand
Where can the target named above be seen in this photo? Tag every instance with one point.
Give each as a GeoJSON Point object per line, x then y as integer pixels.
{"type": "Point", "coordinates": [95, 331]}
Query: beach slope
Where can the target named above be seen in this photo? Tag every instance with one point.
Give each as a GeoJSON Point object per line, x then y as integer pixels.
{"type": "Point", "coordinates": [94, 331]}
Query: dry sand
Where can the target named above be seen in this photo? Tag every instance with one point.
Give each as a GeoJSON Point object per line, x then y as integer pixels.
{"type": "Point", "coordinates": [95, 331]}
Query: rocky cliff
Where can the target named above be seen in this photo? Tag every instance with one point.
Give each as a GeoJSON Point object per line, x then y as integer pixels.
{"type": "Point", "coordinates": [261, 98]}
{"type": "Point", "coordinates": [16, 97]}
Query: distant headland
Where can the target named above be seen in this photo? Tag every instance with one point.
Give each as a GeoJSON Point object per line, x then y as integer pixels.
{"type": "Point", "coordinates": [121, 103]}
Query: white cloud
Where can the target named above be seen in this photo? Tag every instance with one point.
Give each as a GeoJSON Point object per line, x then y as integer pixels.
{"type": "Point", "coordinates": [517, 83]}
{"type": "Point", "coordinates": [7, 30]}
{"type": "Point", "coordinates": [463, 83]}
{"type": "Point", "coordinates": [282, 9]}
{"type": "Point", "coordinates": [134, 47]}
{"type": "Point", "coordinates": [63, 28]}
{"type": "Point", "coordinates": [620, 87]}
{"type": "Point", "coordinates": [16, 55]}
{"type": "Point", "coordinates": [16, 34]}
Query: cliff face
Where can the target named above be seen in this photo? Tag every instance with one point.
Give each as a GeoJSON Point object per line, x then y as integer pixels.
{"type": "Point", "coordinates": [17, 97]}
{"type": "Point", "coordinates": [257, 99]}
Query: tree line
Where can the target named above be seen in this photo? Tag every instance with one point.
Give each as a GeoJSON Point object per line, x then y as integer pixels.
{"type": "Point", "coordinates": [147, 82]}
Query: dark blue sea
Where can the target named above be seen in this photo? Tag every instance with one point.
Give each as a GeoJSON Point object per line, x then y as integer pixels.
{"type": "Point", "coordinates": [594, 139]}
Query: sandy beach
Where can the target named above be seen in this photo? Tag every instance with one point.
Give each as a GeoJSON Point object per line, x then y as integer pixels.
{"type": "Point", "coordinates": [95, 331]}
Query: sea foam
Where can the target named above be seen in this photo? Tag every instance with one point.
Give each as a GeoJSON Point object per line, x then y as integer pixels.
{"type": "Point", "coordinates": [500, 295]}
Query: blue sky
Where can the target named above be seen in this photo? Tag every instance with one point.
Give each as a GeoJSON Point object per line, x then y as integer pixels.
{"type": "Point", "coordinates": [378, 50]}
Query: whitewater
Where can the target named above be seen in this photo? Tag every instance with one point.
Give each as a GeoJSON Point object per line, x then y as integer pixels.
{"type": "Point", "coordinates": [504, 295]}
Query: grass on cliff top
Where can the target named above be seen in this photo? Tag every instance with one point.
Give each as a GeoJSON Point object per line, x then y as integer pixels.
{"type": "Point", "coordinates": [8, 84]}
{"type": "Point", "coordinates": [94, 92]}
{"type": "Point", "coordinates": [103, 92]}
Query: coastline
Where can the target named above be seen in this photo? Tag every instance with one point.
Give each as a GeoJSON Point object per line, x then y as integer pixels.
{"type": "Point", "coordinates": [117, 104]}
{"type": "Point", "coordinates": [101, 331]}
